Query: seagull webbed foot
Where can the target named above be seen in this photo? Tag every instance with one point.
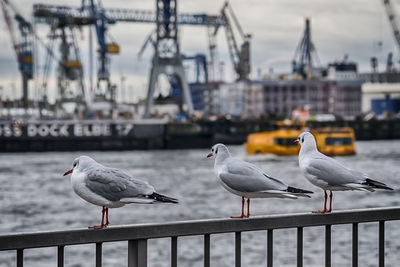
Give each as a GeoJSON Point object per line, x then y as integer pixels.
{"type": "Point", "coordinates": [240, 216]}
{"type": "Point", "coordinates": [98, 226]}
{"type": "Point", "coordinates": [320, 211]}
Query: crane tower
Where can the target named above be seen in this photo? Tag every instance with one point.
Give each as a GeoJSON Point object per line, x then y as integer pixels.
{"type": "Point", "coordinates": [167, 58]}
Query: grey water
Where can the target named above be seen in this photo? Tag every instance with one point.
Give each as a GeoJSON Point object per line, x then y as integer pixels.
{"type": "Point", "coordinates": [34, 196]}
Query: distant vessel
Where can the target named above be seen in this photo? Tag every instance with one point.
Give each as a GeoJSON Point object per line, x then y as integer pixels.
{"type": "Point", "coordinates": [330, 141]}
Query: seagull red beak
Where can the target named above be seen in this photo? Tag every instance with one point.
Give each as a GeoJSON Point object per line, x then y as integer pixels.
{"type": "Point", "coordinates": [67, 172]}
{"type": "Point", "coordinates": [209, 155]}
{"type": "Point", "coordinates": [296, 141]}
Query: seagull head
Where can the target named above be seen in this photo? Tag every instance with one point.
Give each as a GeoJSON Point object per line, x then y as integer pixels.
{"type": "Point", "coordinates": [219, 150]}
{"type": "Point", "coordinates": [80, 163]}
{"type": "Point", "coordinates": [307, 141]}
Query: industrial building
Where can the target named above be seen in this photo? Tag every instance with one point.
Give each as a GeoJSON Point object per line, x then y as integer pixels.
{"type": "Point", "coordinates": [281, 97]}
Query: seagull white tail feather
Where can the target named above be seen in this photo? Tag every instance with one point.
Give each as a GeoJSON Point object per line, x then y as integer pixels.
{"type": "Point", "coordinates": [301, 195]}
{"type": "Point", "coordinates": [359, 187]}
{"type": "Point", "coordinates": [137, 200]}
{"type": "Point", "coordinates": [281, 194]}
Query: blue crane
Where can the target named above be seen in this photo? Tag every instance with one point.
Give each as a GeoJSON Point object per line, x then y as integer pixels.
{"type": "Point", "coordinates": [22, 44]}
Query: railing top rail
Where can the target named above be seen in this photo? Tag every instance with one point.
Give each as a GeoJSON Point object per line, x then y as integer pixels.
{"type": "Point", "coordinates": [195, 227]}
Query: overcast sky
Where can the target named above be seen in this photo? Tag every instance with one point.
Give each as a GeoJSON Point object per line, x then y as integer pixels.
{"type": "Point", "coordinates": [338, 27]}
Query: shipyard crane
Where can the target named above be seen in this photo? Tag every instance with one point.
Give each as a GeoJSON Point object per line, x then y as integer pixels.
{"type": "Point", "coordinates": [70, 71]}
{"type": "Point", "coordinates": [392, 19]}
{"type": "Point", "coordinates": [22, 44]}
{"type": "Point", "coordinates": [106, 48]}
{"type": "Point", "coordinates": [70, 76]}
{"type": "Point", "coordinates": [305, 54]}
{"type": "Point", "coordinates": [165, 17]}
{"type": "Point", "coordinates": [240, 58]}
{"type": "Point", "coordinates": [68, 19]}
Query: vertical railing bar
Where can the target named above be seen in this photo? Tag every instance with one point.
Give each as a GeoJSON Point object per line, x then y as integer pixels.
{"type": "Point", "coordinates": [238, 249]}
{"type": "Point", "coordinates": [174, 251]}
{"type": "Point", "coordinates": [299, 246]}
{"type": "Point", "coordinates": [270, 248]}
{"type": "Point", "coordinates": [60, 256]}
{"type": "Point", "coordinates": [137, 253]}
{"type": "Point", "coordinates": [20, 257]}
{"type": "Point", "coordinates": [355, 245]}
{"type": "Point", "coordinates": [132, 253]}
{"type": "Point", "coordinates": [381, 243]}
{"type": "Point", "coordinates": [207, 250]}
{"type": "Point", "coordinates": [99, 252]}
{"type": "Point", "coordinates": [327, 245]}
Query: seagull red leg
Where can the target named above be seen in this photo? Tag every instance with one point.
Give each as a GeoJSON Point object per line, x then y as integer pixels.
{"type": "Point", "coordinates": [330, 202]}
{"type": "Point", "coordinates": [102, 225]}
{"type": "Point", "coordinates": [241, 216]}
{"type": "Point", "coordinates": [324, 210]}
{"type": "Point", "coordinates": [107, 221]}
{"type": "Point", "coordinates": [248, 208]}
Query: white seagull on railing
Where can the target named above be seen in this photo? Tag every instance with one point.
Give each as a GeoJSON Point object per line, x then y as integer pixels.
{"type": "Point", "coordinates": [329, 174]}
{"type": "Point", "coordinates": [248, 181]}
{"type": "Point", "coordinates": [110, 187]}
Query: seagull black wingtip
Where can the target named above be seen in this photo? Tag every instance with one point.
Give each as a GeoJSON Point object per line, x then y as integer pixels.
{"type": "Point", "coordinates": [298, 190]}
{"type": "Point", "coordinates": [376, 184]}
{"type": "Point", "coordinates": [163, 198]}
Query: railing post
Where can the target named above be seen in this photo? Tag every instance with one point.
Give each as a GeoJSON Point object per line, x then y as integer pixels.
{"type": "Point", "coordinates": [60, 256]}
{"type": "Point", "coordinates": [20, 257]}
{"type": "Point", "coordinates": [299, 246]}
{"type": "Point", "coordinates": [99, 252]}
{"type": "Point", "coordinates": [174, 251]}
{"type": "Point", "coordinates": [238, 249]}
{"type": "Point", "coordinates": [327, 245]}
{"type": "Point", "coordinates": [270, 248]}
{"type": "Point", "coordinates": [381, 243]}
{"type": "Point", "coordinates": [207, 250]}
{"type": "Point", "coordinates": [355, 245]}
{"type": "Point", "coordinates": [137, 253]}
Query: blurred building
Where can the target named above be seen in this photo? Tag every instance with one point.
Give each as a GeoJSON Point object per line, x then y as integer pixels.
{"type": "Point", "coordinates": [321, 96]}
{"type": "Point", "coordinates": [232, 99]}
{"type": "Point", "coordinates": [381, 98]}
{"type": "Point", "coordinates": [255, 105]}
{"type": "Point", "coordinates": [342, 71]}
{"type": "Point", "coordinates": [258, 98]}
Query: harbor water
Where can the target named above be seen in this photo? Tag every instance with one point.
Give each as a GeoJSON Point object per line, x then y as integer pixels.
{"type": "Point", "coordinates": [34, 196]}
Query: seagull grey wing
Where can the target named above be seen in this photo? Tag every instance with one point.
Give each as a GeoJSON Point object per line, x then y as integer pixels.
{"type": "Point", "coordinates": [333, 172]}
{"type": "Point", "coordinates": [245, 177]}
{"type": "Point", "coordinates": [114, 184]}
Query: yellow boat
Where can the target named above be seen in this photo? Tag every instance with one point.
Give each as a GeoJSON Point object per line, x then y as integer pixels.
{"type": "Point", "coordinates": [330, 141]}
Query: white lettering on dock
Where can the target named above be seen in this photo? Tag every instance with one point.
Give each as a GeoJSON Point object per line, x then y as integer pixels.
{"type": "Point", "coordinates": [64, 130]}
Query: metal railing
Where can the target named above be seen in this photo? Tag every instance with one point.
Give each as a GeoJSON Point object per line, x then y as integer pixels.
{"type": "Point", "coordinates": [137, 235]}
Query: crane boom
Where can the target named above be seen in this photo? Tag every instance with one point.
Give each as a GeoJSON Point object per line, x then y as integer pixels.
{"type": "Point", "coordinates": [240, 57]}
{"type": "Point", "coordinates": [22, 45]}
{"type": "Point", "coordinates": [392, 19]}
{"type": "Point", "coordinates": [10, 27]}
{"type": "Point", "coordinates": [44, 11]}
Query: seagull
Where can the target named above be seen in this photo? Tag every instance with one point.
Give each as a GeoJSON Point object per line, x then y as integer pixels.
{"type": "Point", "coordinates": [329, 174]}
{"type": "Point", "coordinates": [248, 181]}
{"type": "Point", "coordinates": [110, 187]}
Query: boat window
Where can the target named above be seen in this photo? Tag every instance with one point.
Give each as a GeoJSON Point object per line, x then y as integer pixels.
{"type": "Point", "coordinates": [285, 141]}
{"type": "Point", "coordinates": [338, 141]}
